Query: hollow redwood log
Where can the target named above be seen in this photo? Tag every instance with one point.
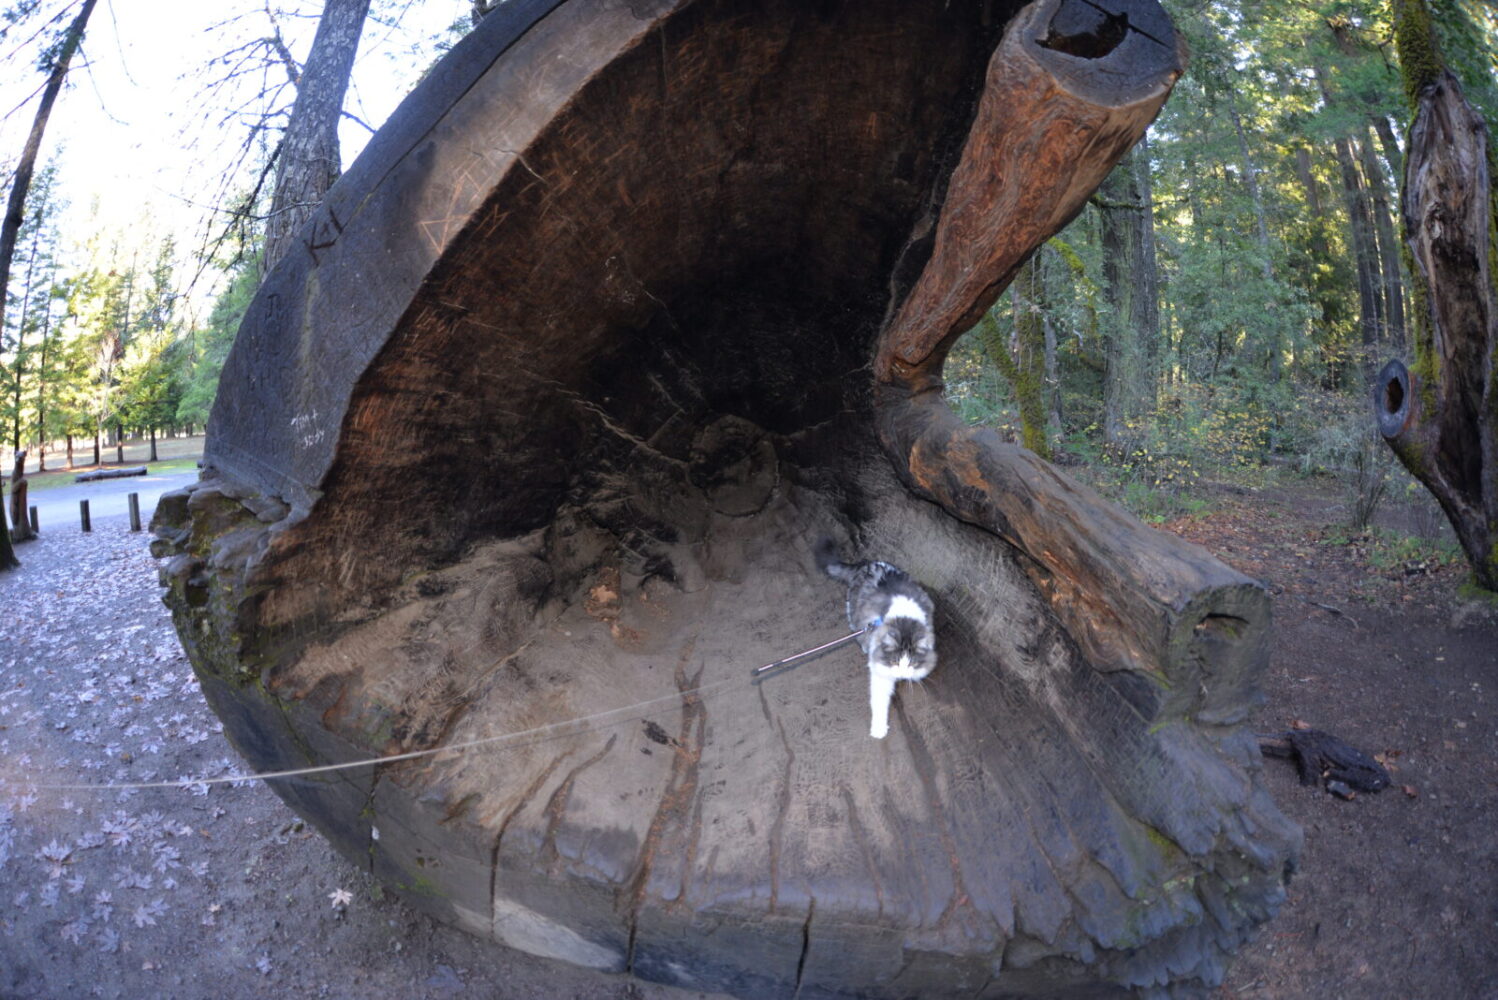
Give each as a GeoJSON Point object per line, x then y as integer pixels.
{"type": "Point", "coordinates": [524, 453]}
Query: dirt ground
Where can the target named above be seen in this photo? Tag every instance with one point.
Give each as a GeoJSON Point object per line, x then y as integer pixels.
{"type": "Point", "coordinates": [219, 891]}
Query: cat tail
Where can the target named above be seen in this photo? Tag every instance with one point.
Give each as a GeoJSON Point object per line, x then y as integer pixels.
{"type": "Point", "coordinates": [828, 562]}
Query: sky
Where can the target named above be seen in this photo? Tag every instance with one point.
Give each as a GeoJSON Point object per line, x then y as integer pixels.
{"type": "Point", "coordinates": [135, 132]}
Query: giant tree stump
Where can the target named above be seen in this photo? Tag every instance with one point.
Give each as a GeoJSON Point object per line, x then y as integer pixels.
{"type": "Point", "coordinates": [534, 435]}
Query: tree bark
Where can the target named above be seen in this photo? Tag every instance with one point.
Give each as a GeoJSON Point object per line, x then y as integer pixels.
{"type": "Point", "coordinates": [1382, 208]}
{"type": "Point", "coordinates": [41, 392]}
{"type": "Point", "coordinates": [8, 560]}
{"type": "Point", "coordinates": [1021, 358]}
{"type": "Point", "coordinates": [1131, 289]}
{"type": "Point", "coordinates": [309, 158]}
{"type": "Point", "coordinates": [1144, 307]}
{"type": "Point", "coordinates": [1441, 415]}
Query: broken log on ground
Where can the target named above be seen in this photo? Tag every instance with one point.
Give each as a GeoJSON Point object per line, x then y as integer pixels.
{"type": "Point", "coordinates": [97, 474]}
{"type": "Point", "coordinates": [646, 298]}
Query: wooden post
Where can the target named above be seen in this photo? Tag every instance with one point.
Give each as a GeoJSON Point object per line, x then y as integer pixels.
{"type": "Point", "coordinates": [35, 527]}
{"type": "Point", "coordinates": [135, 512]}
{"type": "Point", "coordinates": [83, 515]}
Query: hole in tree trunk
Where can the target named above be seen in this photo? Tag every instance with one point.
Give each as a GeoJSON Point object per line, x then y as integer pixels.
{"type": "Point", "coordinates": [1391, 395]}
{"type": "Point", "coordinates": [1084, 29]}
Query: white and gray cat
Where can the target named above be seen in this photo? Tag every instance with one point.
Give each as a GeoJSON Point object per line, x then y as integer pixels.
{"type": "Point", "coordinates": [899, 637]}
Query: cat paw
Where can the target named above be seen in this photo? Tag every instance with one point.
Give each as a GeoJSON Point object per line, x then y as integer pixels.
{"type": "Point", "coordinates": [879, 732]}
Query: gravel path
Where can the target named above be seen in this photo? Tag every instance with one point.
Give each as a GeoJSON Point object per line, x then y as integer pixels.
{"type": "Point", "coordinates": [209, 891]}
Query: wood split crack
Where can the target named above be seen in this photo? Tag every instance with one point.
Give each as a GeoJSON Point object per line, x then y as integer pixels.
{"type": "Point", "coordinates": [811, 909]}
{"type": "Point", "coordinates": [556, 806]}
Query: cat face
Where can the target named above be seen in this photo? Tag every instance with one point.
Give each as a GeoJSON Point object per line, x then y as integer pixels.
{"type": "Point", "coordinates": [902, 649]}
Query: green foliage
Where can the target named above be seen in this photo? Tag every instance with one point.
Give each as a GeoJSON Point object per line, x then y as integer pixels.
{"type": "Point", "coordinates": [211, 345]}
{"type": "Point", "coordinates": [1283, 127]}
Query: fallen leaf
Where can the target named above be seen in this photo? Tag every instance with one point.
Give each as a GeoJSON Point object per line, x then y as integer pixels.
{"type": "Point", "coordinates": [1410, 790]}
{"type": "Point", "coordinates": [1299, 724]}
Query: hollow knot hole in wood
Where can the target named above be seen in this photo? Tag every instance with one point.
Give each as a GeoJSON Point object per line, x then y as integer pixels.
{"type": "Point", "coordinates": [1085, 30]}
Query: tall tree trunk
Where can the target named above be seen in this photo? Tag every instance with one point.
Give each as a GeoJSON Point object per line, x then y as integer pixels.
{"type": "Point", "coordinates": [153, 443]}
{"type": "Point", "coordinates": [1029, 356]}
{"type": "Point", "coordinates": [1371, 320]}
{"type": "Point", "coordinates": [41, 391]}
{"type": "Point", "coordinates": [1389, 144]}
{"type": "Point", "coordinates": [309, 158]}
{"type": "Point", "coordinates": [1052, 380]}
{"type": "Point", "coordinates": [1275, 349]}
{"type": "Point", "coordinates": [1441, 415]}
{"type": "Point", "coordinates": [1128, 276]}
{"type": "Point", "coordinates": [70, 451]}
{"type": "Point", "coordinates": [15, 445]}
{"type": "Point", "coordinates": [1388, 248]}
{"type": "Point", "coordinates": [15, 207]}
{"type": "Point", "coordinates": [8, 558]}
{"type": "Point", "coordinates": [1144, 309]}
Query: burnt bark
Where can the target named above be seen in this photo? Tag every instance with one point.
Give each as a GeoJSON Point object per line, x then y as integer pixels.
{"type": "Point", "coordinates": [643, 258]}
{"type": "Point", "coordinates": [1440, 415]}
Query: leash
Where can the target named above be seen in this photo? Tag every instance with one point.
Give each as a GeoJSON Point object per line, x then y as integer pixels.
{"type": "Point", "coordinates": [761, 671]}
{"type": "Point", "coordinates": [558, 728]}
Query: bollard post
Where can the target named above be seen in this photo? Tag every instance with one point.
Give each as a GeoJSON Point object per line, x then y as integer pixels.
{"type": "Point", "coordinates": [31, 516]}
{"type": "Point", "coordinates": [135, 512]}
{"type": "Point", "coordinates": [83, 514]}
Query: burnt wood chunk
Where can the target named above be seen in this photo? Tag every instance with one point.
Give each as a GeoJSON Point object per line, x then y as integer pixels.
{"type": "Point", "coordinates": [646, 298]}
{"type": "Point", "coordinates": [1321, 758]}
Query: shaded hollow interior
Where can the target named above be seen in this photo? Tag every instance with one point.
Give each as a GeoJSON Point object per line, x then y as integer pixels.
{"type": "Point", "coordinates": [676, 265]}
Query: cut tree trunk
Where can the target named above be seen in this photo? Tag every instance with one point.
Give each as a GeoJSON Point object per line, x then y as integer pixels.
{"type": "Point", "coordinates": [1441, 414]}
{"type": "Point", "coordinates": [610, 287]}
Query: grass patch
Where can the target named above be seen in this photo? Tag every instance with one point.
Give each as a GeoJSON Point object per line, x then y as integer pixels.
{"type": "Point", "coordinates": [38, 482]}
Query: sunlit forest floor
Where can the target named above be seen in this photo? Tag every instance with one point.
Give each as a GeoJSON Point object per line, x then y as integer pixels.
{"type": "Point", "coordinates": [221, 891]}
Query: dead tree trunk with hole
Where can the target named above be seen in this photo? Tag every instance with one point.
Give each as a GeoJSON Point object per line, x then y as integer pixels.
{"type": "Point", "coordinates": [612, 285]}
{"type": "Point", "coordinates": [1441, 414]}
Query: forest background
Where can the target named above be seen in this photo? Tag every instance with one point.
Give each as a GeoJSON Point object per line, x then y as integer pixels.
{"type": "Point", "coordinates": [1216, 312]}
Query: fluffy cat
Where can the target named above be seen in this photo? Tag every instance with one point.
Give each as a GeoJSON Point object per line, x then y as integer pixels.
{"type": "Point", "coordinates": [896, 614]}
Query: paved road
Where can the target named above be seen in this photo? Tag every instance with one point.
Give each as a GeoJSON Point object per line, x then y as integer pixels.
{"type": "Point", "coordinates": [58, 508]}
